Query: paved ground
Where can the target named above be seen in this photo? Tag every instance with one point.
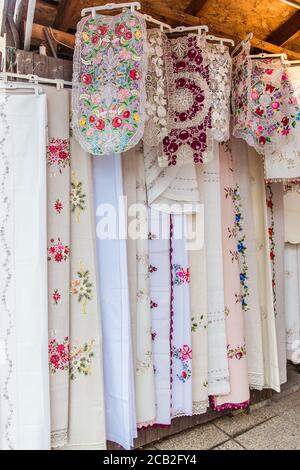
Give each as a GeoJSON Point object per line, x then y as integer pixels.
{"type": "Point", "coordinates": [273, 424]}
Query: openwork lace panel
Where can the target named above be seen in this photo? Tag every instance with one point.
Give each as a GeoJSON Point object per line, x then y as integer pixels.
{"type": "Point", "coordinates": [156, 88]}
{"type": "Point", "coordinates": [240, 85]}
{"type": "Point", "coordinates": [108, 100]}
{"type": "Point", "coordinates": [220, 67]}
{"type": "Point", "coordinates": [189, 119]}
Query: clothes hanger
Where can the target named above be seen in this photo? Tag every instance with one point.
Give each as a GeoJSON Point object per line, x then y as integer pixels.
{"type": "Point", "coordinates": [34, 79]}
{"type": "Point", "coordinates": [182, 29]}
{"type": "Point", "coordinates": [292, 62]}
{"type": "Point", "coordinates": [162, 25]}
{"type": "Point", "coordinates": [243, 44]}
{"type": "Point", "coordinates": [281, 56]}
{"type": "Point", "coordinates": [111, 6]}
{"type": "Point", "coordinates": [222, 41]}
{"type": "Point", "coordinates": [6, 85]}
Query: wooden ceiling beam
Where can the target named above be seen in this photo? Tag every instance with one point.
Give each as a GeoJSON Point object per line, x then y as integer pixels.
{"type": "Point", "coordinates": [291, 39]}
{"type": "Point", "coordinates": [195, 7]}
{"type": "Point", "coordinates": [286, 30]}
{"type": "Point", "coordinates": [65, 13]}
{"type": "Point", "coordinates": [61, 36]}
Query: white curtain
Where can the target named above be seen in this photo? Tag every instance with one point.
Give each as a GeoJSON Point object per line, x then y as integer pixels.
{"type": "Point", "coordinates": [24, 376]}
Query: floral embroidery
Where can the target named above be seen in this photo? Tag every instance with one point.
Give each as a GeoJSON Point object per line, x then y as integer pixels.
{"type": "Point", "coordinates": [153, 335]}
{"type": "Point", "coordinates": [56, 296]}
{"type": "Point", "coordinates": [78, 197]}
{"type": "Point", "coordinates": [153, 304]}
{"type": "Point", "coordinates": [58, 154]}
{"type": "Point", "coordinates": [189, 117]}
{"type": "Point", "coordinates": [156, 88]}
{"type": "Point", "coordinates": [82, 287]}
{"type": "Point", "coordinates": [109, 82]}
{"type": "Point", "coordinates": [184, 355]}
{"type": "Point", "coordinates": [152, 269]}
{"type": "Point", "coordinates": [241, 75]}
{"type": "Point", "coordinates": [270, 206]}
{"type": "Point", "coordinates": [238, 352]}
{"type": "Point", "coordinates": [197, 324]}
{"type": "Point", "coordinates": [81, 360]}
{"type": "Point", "coordinates": [58, 252]}
{"type": "Point", "coordinates": [59, 355]}
{"type": "Point", "coordinates": [182, 275]}
{"type": "Point", "coordinates": [152, 236]}
{"type": "Point", "coordinates": [58, 206]}
{"type": "Point", "coordinates": [240, 253]}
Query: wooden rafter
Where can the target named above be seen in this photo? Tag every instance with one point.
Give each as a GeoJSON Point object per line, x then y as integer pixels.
{"type": "Point", "coordinates": [195, 7]}
{"type": "Point", "coordinates": [65, 12]}
{"type": "Point", "coordinates": [291, 39]}
{"type": "Point", "coordinates": [286, 30]}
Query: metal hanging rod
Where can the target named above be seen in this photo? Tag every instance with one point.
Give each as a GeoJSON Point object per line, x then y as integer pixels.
{"type": "Point", "coordinates": [34, 79]}
{"type": "Point", "coordinates": [111, 6]}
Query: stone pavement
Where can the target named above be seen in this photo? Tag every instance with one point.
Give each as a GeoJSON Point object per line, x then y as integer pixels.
{"type": "Point", "coordinates": [272, 424]}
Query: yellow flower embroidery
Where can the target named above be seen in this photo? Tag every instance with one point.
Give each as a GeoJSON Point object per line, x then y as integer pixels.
{"type": "Point", "coordinates": [138, 34]}
{"type": "Point", "coordinates": [136, 117]}
{"type": "Point", "coordinates": [85, 36]}
{"type": "Point", "coordinates": [82, 122]}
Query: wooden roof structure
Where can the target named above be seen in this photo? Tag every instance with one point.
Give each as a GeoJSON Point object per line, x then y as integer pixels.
{"type": "Point", "coordinates": [274, 23]}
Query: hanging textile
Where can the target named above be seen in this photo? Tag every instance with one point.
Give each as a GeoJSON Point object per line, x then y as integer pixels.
{"type": "Point", "coordinates": [241, 83]}
{"type": "Point", "coordinates": [171, 189]}
{"type": "Point", "coordinates": [180, 330]}
{"type": "Point", "coordinates": [114, 301]}
{"type": "Point", "coordinates": [160, 296]}
{"type": "Point", "coordinates": [275, 215]}
{"type": "Point", "coordinates": [232, 246]}
{"type": "Point", "coordinates": [292, 301]}
{"type": "Point", "coordinates": [109, 70]}
{"type": "Point", "coordinates": [24, 376]}
{"type": "Point", "coordinates": [189, 114]}
{"type": "Point", "coordinates": [291, 201]}
{"type": "Point", "coordinates": [220, 65]}
{"type": "Point", "coordinates": [199, 321]}
{"type": "Point", "coordinates": [86, 394]}
{"type": "Point", "coordinates": [218, 374]}
{"type": "Point", "coordinates": [258, 195]}
{"type": "Point", "coordinates": [138, 271]}
{"type": "Point", "coordinates": [156, 88]}
{"type": "Point", "coordinates": [58, 217]}
{"type": "Point", "coordinates": [247, 261]}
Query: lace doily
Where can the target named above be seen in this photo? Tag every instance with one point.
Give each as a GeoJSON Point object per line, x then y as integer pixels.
{"type": "Point", "coordinates": [189, 119]}
{"type": "Point", "coordinates": [240, 85]}
{"type": "Point", "coordinates": [108, 98]}
{"type": "Point", "coordinates": [156, 88]}
{"type": "Point", "coordinates": [220, 67]}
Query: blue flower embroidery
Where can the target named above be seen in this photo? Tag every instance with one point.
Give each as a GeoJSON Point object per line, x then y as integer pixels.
{"type": "Point", "coordinates": [241, 248]}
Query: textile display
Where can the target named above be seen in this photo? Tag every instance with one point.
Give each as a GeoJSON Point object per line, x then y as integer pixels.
{"type": "Point", "coordinates": [138, 260]}
{"type": "Point", "coordinates": [265, 290]}
{"type": "Point", "coordinates": [59, 248]}
{"type": "Point", "coordinates": [109, 71]}
{"type": "Point", "coordinates": [180, 329]}
{"type": "Point", "coordinates": [291, 200]}
{"type": "Point", "coordinates": [232, 246]}
{"type": "Point", "coordinates": [160, 298]}
{"type": "Point", "coordinates": [241, 197]}
{"type": "Point", "coordinates": [24, 371]}
{"type": "Point", "coordinates": [86, 387]}
{"type": "Point", "coordinates": [292, 301]}
{"type": "Point", "coordinates": [218, 372]}
{"type": "Point", "coordinates": [119, 396]}
{"type": "Point", "coordinates": [189, 116]}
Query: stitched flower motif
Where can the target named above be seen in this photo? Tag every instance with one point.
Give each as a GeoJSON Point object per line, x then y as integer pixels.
{"type": "Point", "coordinates": [59, 355]}
{"type": "Point", "coordinates": [181, 274]}
{"type": "Point", "coordinates": [82, 287]}
{"type": "Point", "coordinates": [58, 154]}
{"type": "Point", "coordinates": [238, 352]}
{"type": "Point", "coordinates": [81, 359]}
{"type": "Point", "coordinates": [77, 196]}
{"type": "Point", "coordinates": [56, 296]}
{"type": "Point", "coordinates": [58, 206]}
{"type": "Point", "coordinates": [184, 355]}
{"type": "Point", "coordinates": [57, 251]}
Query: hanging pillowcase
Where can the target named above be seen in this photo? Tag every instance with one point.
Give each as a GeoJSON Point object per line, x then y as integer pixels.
{"type": "Point", "coordinates": [240, 84]}
{"type": "Point", "coordinates": [156, 88]}
{"type": "Point", "coordinates": [220, 65]}
{"type": "Point", "coordinates": [110, 62]}
{"type": "Point", "coordinates": [189, 119]}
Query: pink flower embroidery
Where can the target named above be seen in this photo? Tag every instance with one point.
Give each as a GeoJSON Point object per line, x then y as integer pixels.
{"type": "Point", "coordinates": [58, 154]}
{"type": "Point", "coordinates": [58, 251]}
{"type": "Point", "coordinates": [186, 352]}
{"type": "Point", "coordinates": [56, 296]}
{"type": "Point", "coordinates": [182, 275]}
{"type": "Point", "coordinates": [59, 355]}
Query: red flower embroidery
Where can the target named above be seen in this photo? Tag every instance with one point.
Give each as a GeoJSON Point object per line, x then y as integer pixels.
{"type": "Point", "coordinates": [58, 206]}
{"type": "Point", "coordinates": [134, 74]}
{"type": "Point", "coordinates": [270, 230]}
{"type": "Point", "coordinates": [86, 78]}
{"type": "Point", "coordinates": [58, 153]}
{"type": "Point", "coordinates": [120, 29]}
{"type": "Point", "coordinates": [59, 355]}
{"type": "Point", "coordinates": [56, 296]}
{"type": "Point", "coordinates": [270, 203]}
{"type": "Point", "coordinates": [117, 122]}
{"type": "Point", "coordinates": [272, 255]}
{"type": "Point", "coordinates": [185, 352]}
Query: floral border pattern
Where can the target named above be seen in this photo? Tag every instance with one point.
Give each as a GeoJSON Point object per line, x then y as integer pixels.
{"type": "Point", "coordinates": [271, 231]}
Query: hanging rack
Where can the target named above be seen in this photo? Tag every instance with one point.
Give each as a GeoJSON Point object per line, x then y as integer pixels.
{"type": "Point", "coordinates": [281, 56]}
{"type": "Point", "coordinates": [292, 62]}
{"type": "Point", "coordinates": [222, 41]}
{"type": "Point", "coordinates": [162, 25]}
{"type": "Point", "coordinates": [182, 29]}
{"type": "Point", "coordinates": [111, 6]}
{"type": "Point", "coordinates": [34, 79]}
{"type": "Point", "coordinates": [242, 44]}
{"type": "Point", "coordinates": [19, 85]}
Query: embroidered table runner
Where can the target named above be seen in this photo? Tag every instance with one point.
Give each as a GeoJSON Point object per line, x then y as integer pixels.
{"type": "Point", "coordinates": [292, 300]}
{"type": "Point", "coordinates": [291, 201]}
